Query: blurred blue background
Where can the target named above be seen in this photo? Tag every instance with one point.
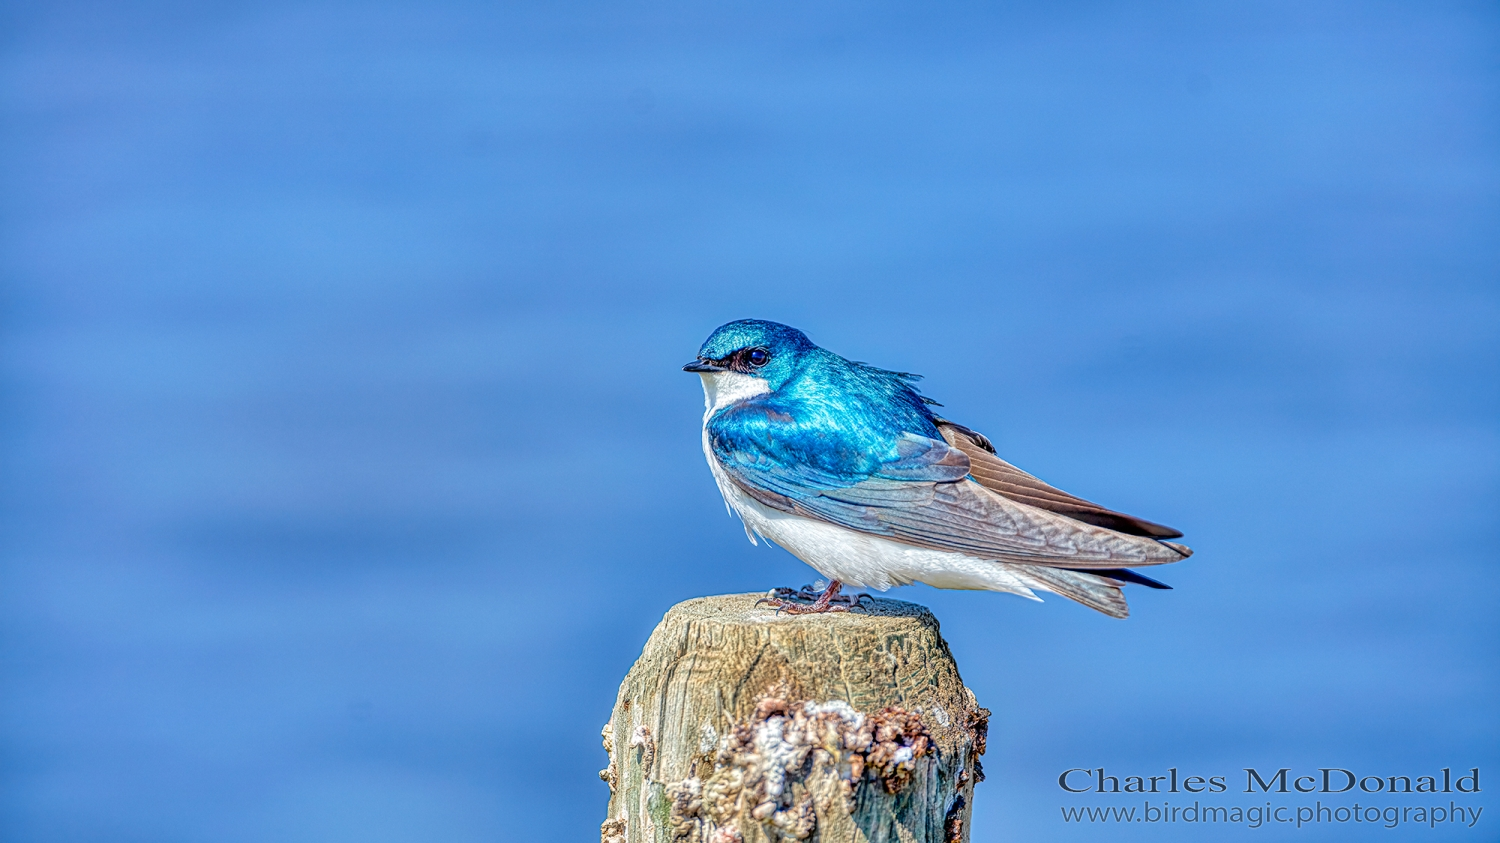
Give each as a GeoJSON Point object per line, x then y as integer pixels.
{"type": "Point", "coordinates": [347, 463]}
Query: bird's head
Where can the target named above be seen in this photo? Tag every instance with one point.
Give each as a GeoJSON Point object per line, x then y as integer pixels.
{"type": "Point", "coordinates": [749, 357]}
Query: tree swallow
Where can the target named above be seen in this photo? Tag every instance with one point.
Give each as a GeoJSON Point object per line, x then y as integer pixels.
{"type": "Point", "coordinates": [847, 467]}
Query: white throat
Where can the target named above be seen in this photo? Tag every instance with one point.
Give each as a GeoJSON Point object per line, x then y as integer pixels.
{"type": "Point", "coordinates": [720, 389]}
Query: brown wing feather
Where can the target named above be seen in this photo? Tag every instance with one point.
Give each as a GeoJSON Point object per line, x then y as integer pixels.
{"type": "Point", "coordinates": [964, 517]}
{"type": "Point", "coordinates": [1006, 480]}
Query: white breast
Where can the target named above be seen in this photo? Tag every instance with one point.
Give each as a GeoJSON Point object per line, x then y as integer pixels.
{"type": "Point", "coordinates": [856, 559]}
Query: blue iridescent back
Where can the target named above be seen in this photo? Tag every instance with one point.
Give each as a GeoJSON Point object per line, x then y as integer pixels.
{"type": "Point", "coordinates": [832, 420]}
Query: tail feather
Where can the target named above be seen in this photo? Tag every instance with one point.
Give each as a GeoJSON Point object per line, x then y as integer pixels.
{"type": "Point", "coordinates": [1101, 594]}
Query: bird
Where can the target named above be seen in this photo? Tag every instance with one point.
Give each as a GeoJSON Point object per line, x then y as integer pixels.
{"type": "Point", "coordinates": [848, 467]}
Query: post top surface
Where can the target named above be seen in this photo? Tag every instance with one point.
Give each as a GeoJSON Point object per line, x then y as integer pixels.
{"type": "Point", "coordinates": [741, 608]}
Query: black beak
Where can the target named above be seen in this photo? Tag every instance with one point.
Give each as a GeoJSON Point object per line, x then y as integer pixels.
{"type": "Point", "coordinates": [703, 366]}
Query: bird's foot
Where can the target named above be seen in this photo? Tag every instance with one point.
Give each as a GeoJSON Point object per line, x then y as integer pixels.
{"type": "Point", "coordinates": [802, 602]}
{"type": "Point", "coordinates": [808, 601]}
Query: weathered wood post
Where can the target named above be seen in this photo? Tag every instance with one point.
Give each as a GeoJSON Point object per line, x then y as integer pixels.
{"type": "Point", "coordinates": [739, 725]}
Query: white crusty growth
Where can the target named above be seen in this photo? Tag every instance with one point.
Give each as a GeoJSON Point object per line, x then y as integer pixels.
{"type": "Point", "coordinates": [763, 767]}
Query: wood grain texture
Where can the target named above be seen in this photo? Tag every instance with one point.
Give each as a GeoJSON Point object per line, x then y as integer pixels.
{"type": "Point", "coordinates": [738, 724]}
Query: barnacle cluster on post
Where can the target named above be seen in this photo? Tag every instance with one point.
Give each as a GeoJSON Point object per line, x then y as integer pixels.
{"type": "Point", "coordinates": [769, 768]}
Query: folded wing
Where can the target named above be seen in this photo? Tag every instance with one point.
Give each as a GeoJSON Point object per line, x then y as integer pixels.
{"type": "Point", "coordinates": [918, 491]}
{"type": "Point", "coordinates": [1006, 480]}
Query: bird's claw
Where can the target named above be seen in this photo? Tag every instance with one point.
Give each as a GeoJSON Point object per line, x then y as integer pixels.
{"type": "Point", "coordinates": [777, 596]}
{"type": "Point", "coordinates": [799, 609]}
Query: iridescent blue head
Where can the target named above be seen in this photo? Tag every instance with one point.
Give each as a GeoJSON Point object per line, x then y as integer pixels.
{"type": "Point", "coordinates": [768, 351]}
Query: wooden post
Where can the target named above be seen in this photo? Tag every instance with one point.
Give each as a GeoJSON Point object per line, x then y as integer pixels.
{"type": "Point", "coordinates": [739, 725]}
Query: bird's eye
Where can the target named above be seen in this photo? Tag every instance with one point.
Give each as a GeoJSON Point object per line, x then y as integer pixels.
{"type": "Point", "coordinates": [759, 357]}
